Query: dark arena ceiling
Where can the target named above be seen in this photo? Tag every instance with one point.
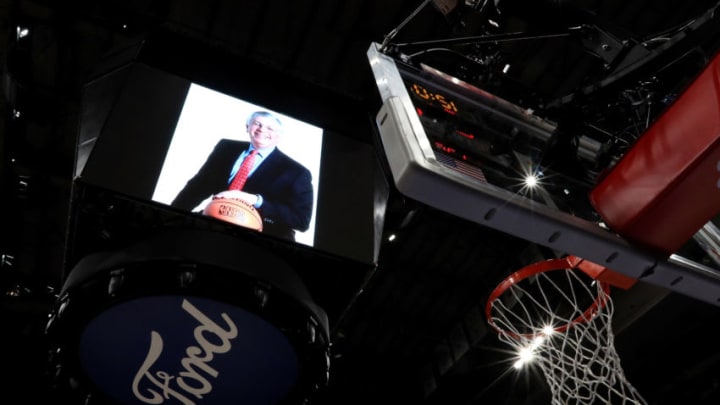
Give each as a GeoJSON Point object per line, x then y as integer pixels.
{"type": "Point", "coordinates": [407, 326]}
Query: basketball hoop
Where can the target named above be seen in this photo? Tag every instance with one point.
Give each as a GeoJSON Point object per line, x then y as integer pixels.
{"type": "Point", "coordinates": [557, 312]}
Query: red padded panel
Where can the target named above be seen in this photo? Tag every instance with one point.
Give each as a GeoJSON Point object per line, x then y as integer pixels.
{"type": "Point", "coordinates": [667, 186]}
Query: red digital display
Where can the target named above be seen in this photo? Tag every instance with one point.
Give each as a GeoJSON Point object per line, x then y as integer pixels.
{"type": "Point", "coordinates": [434, 98]}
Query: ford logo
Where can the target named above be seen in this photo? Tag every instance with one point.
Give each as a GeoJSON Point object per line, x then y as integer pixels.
{"type": "Point", "coordinates": [187, 350]}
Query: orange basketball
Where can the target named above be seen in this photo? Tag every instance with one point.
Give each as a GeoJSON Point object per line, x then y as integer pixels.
{"type": "Point", "coordinates": [234, 211]}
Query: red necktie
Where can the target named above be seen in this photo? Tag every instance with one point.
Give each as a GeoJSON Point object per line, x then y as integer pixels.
{"type": "Point", "coordinates": [239, 180]}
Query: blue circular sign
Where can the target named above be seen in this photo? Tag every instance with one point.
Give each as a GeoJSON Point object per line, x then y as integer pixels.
{"type": "Point", "coordinates": [187, 350]}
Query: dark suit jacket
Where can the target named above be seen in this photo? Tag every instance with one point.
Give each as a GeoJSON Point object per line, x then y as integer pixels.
{"type": "Point", "coordinates": [285, 186]}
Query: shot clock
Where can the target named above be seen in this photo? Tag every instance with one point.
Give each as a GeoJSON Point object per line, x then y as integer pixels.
{"type": "Point", "coordinates": [434, 98]}
{"type": "Point", "coordinates": [466, 125]}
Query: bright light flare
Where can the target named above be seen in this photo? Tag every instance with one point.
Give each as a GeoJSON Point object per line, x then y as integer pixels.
{"type": "Point", "coordinates": [527, 354]}
{"type": "Point", "coordinates": [531, 180]}
{"type": "Point", "coordinates": [21, 32]}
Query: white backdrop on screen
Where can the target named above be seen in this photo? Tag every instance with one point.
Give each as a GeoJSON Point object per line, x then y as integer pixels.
{"type": "Point", "coordinates": [209, 116]}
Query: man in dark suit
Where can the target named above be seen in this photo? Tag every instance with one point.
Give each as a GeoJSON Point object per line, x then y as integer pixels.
{"type": "Point", "coordinates": [278, 186]}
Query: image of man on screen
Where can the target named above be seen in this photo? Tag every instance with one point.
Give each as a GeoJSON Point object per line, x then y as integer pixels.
{"type": "Point", "coordinates": [279, 187]}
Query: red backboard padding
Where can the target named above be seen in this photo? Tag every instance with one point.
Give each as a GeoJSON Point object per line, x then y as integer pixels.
{"type": "Point", "coordinates": [667, 186]}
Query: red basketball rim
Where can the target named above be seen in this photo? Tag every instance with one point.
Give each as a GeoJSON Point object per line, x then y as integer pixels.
{"type": "Point", "coordinates": [537, 268]}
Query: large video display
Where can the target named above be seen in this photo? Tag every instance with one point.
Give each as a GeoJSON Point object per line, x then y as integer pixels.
{"type": "Point", "coordinates": [209, 119]}
{"type": "Point", "coordinates": [165, 139]}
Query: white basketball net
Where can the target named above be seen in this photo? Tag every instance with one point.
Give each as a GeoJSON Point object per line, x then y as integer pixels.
{"type": "Point", "coordinates": [577, 352]}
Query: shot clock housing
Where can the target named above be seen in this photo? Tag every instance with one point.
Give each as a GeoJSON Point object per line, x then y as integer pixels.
{"type": "Point", "coordinates": [471, 125]}
{"type": "Point", "coordinates": [459, 148]}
